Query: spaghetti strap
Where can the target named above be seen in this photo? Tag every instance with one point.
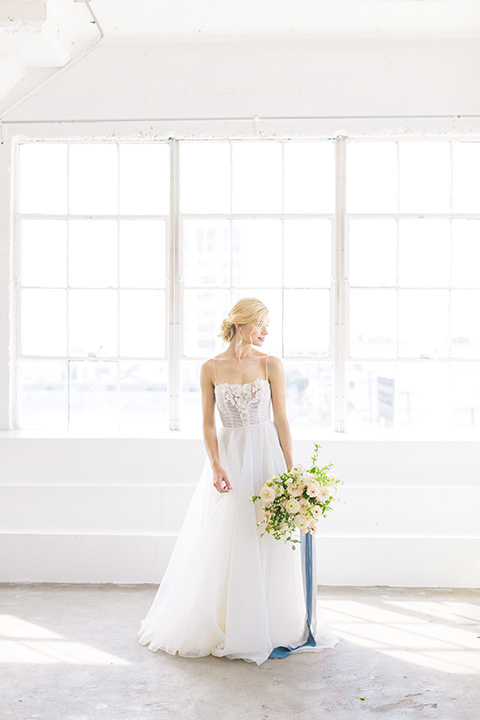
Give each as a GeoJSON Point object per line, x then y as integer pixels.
{"type": "Point", "coordinates": [214, 372]}
{"type": "Point", "coordinates": [266, 367]}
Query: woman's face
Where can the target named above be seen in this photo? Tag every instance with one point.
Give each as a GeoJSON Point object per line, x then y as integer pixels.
{"type": "Point", "coordinates": [255, 331]}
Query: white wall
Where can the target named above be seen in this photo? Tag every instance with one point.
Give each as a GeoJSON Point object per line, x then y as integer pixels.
{"type": "Point", "coordinates": [108, 510]}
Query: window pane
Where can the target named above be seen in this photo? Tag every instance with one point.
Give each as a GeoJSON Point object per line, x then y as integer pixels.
{"type": "Point", "coordinates": [307, 253]}
{"type": "Point", "coordinates": [373, 252]}
{"type": "Point", "coordinates": [42, 394]}
{"type": "Point", "coordinates": [143, 397]}
{"type": "Point", "coordinates": [92, 253]}
{"type": "Point", "coordinates": [371, 396]}
{"type": "Point", "coordinates": [466, 253]}
{"type": "Point", "coordinates": [424, 253]}
{"type": "Point", "coordinates": [408, 396]}
{"type": "Point", "coordinates": [466, 395]}
{"type": "Point", "coordinates": [42, 176]}
{"type": "Point", "coordinates": [273, 300]}
{"type": "Point", "coordinates": [466, 177]}
{"type": "Point", "coordinates": [206, 252]}
{"type": "Point", "coordinates": [257, 177]}
{"type": "Point", "coordinates": [142, 253]}
{"type": "Point", "coordinates": [257, 253]}
{"type": "Point", "coordinates": [306, 323]}
{"type": "Point", "coordinates": [423, 323]}
{"type": "Point", "coordinates": [43, 322]}
{"type": "Point", "coordinates": [44, 253]}
{"type": "Point", "coordinates": [203, 313]}
{"type": "Point", "coordinates": [372, 177]}
{"type": "Point", "coordinates": [205, 185]}
{"type": "Point", "coordinates": [144, 179]}
{"type": "Point", "coordinates": [191, 397]}
{"type": "Point", "coordinates": [93, 179]}
{"type": "Point", "coordinates": [93, 396]}
{"type": "Point", "coordinates": [373, 323]}
{"type": "Point", "coordinates": [309, 395]}
{"type": "Point", "coordinates": [424, 177]}
{"type": "Point", "coordinates": [142, 323]}
{"type": "Point", "coordinates": [93, 322]}
{"type": "Point", "coordinates": [424, 396]}
{"type": "Point", "coordinates": [309, 177]}
{"type": "Point", "coordinates": [465, 324]}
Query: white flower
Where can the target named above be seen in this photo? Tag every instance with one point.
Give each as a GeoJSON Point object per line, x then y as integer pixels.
{"type": "Point", "coordinates": [323, 493]}
{"type": "Point", "coordinates": [304, 505]}
{"type": "Point", "coordinates": [267, 494]}
{"type": "Point", "coordinates": [317, 512]}
{"type": "Point", "coordinates": [300, 521]}
{"type": "Point", "coordinates": [292, 506]}
{"type": "Point", "coordinates": [296, 489]}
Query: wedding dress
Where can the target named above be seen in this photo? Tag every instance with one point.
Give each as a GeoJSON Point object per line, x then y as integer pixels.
{"type": "Point", "coordinates": [227, 591]}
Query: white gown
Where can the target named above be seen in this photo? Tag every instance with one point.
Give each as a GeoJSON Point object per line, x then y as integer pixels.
{"type": "Point", "coordinates": [227, 591]}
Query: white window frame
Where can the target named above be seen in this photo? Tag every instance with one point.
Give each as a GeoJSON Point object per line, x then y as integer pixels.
{"type": "Point", "coordinates": [398, 216]}
{"type": "Point", "coordinates": [332, 358]}
{"type": "Point", "coordinates": [340, 330]}
{"type": "Point", "coordinates": [18, 285]}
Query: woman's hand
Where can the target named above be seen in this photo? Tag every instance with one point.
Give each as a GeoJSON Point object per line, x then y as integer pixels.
{"type": "Point", "coordinates": [221, 481]}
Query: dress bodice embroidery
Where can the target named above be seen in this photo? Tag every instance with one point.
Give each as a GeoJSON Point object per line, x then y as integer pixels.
{"type": "Point", "coordinates": [243, 405]}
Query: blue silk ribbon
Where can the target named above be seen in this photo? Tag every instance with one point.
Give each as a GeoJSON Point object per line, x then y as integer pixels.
{"type": "Point", "coordinates": [310, 597]}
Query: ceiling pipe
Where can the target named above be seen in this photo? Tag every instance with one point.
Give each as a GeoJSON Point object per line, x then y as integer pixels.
{"type": "Point", "coordinates": [65, 67]}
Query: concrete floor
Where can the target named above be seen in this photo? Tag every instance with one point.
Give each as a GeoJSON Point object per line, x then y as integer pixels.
{"type": "Point", "coordinates": [70, 652]}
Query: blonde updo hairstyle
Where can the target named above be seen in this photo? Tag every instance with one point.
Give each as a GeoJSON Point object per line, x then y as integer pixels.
{"type": "Point", "coordinates": [245, 311]}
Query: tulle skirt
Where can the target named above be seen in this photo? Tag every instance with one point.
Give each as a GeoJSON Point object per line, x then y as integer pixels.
{"type": "Point", "coordinates": [227, 591]}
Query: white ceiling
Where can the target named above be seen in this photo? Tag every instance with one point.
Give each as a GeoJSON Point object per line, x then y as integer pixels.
{"type": "Point", "coordinates": [38, 34]}
{"type": "Point", "coordinates": [147, 19]}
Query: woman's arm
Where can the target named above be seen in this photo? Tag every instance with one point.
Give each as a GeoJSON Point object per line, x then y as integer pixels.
{"type": "Point", "coordinates": [276, 375]}
{"type": "Point", "coordinates": [220, 479]}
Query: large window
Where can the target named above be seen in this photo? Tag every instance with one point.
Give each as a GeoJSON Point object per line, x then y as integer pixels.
{"type": "Point", "coordinates": [129, 255]}
{"type": "Point", "coordinates": [413, 248]}
{"type": "Point", "coordinates": [257, 221]}
{"type": "Point", "coordinates": [93, 229]}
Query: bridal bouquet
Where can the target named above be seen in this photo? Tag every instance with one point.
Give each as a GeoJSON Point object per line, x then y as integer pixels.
{"type": "Point", "coordinates": [296, 499]}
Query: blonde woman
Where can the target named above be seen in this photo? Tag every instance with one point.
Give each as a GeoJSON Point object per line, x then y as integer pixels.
{"type": "Point", "coordinates": [227, 591]}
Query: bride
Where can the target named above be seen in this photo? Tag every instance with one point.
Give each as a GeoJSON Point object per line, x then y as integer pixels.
{"type": "Point", "coordinates": [227, 591]}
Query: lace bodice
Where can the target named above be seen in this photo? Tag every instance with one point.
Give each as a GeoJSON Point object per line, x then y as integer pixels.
{"type": "Point", "coordinates": [243, 405]}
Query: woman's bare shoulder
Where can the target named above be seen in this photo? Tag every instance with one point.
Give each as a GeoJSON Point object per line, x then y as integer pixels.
{"type": "Point", "coordinates": [274, 361]}
{"type": "Point", "coordinates": [275, 367]}
{"type": "Point", "coordinates": [206, 369]}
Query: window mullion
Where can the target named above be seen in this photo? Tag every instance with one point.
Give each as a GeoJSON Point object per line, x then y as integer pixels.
{"type": "Point", "coordinates": [13, 419]}
{"type": "Point", "coordinates": [173, 290]}
{"type": "Point", "coordinates": [339, 287]}
{"type": "Point", "coordinates": [67, 291]}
